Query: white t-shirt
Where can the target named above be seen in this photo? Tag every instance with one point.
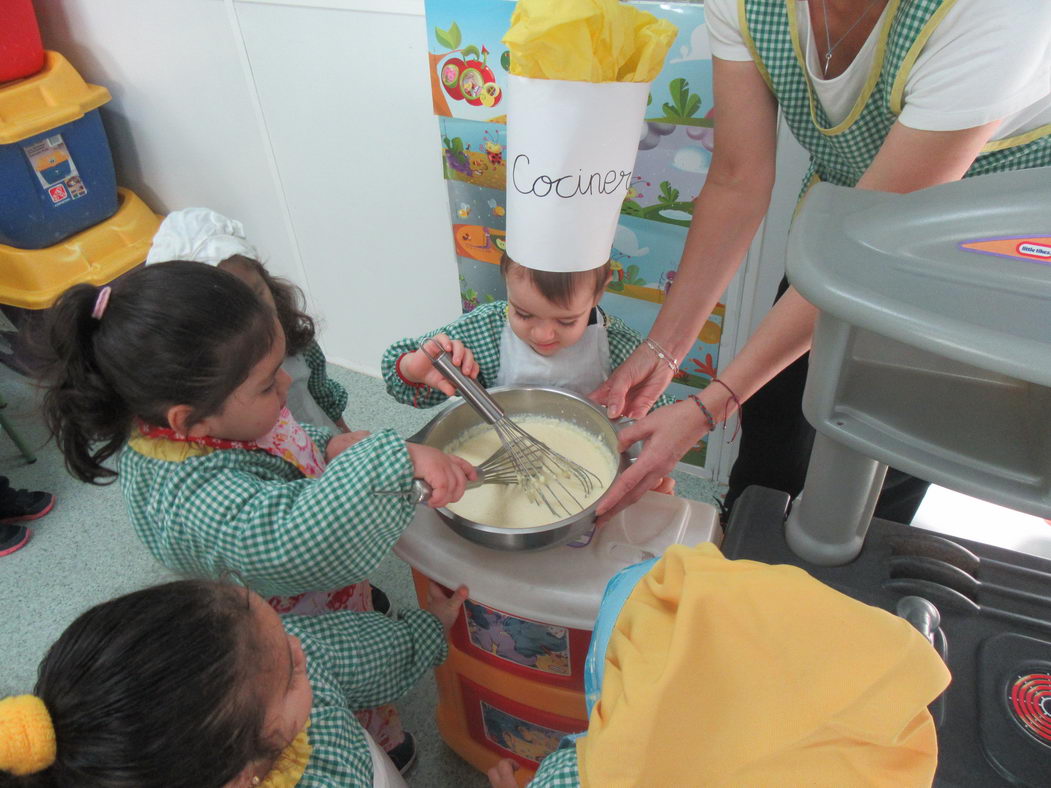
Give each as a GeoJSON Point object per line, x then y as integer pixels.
{"type": "Point", "coordinates": [986, 60]}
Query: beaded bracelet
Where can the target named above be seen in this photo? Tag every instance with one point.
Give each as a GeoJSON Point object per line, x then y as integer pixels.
{"type": "Point", "coordinates": [662, 354]}
{"type": "Point", "coordinates": [705, 412]}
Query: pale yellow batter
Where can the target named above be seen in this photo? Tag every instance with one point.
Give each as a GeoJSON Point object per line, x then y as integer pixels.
{"type": "Point", "coordinates": [509, 506]}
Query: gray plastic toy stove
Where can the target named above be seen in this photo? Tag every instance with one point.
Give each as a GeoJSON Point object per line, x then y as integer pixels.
{"type": "Point", "coordinates": [932, 354]}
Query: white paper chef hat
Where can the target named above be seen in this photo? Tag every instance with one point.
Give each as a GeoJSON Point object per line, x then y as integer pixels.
{"type": "Point", "coordinates": [571, 148]}
{"type": "Point", "coordinates": [201, 235]}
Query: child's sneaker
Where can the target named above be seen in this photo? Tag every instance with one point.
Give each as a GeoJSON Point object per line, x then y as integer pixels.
{"type": "Point", "coordinates": [404, 755]}
{"type": "Point", "coordinates": [381, 603]}
{"type": "Point", "coordinates": [17, 506]}
{"type": "Point", "coordinates": [13, 538]}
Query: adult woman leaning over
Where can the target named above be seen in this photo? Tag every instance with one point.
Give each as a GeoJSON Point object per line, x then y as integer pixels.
{"type": "Point", "coordinates": [890, 95]}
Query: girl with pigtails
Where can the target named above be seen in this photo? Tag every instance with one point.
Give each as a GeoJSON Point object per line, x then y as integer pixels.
{"type": "Point", "coordinates": [177, 368]}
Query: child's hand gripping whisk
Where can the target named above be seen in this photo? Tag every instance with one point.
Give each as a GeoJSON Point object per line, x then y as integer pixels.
{"type": "Point", "coordinates": [532, 464]}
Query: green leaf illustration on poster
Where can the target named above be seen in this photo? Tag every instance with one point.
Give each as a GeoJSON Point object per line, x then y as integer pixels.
{"type": "Point", "coordinates": [450, 39]}
{"type": "Point", "coordinates": [684, 104]}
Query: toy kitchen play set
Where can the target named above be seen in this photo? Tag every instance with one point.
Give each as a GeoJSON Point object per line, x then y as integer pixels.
{"type": "Point", "coordinates": [932, 355]}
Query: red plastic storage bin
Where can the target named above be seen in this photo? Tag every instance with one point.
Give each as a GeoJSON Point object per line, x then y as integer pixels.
{"type": "Point", "coordinates": [21, 50]}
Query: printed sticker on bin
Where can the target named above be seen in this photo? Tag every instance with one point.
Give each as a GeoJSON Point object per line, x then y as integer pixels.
{"type": "Point", "coordinates": [55, 169]}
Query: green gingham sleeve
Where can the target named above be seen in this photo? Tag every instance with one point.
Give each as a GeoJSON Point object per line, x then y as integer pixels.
{"type": "Point", "coordinates": [356, 661]}
{"type": "Point", "coordinates": [478, 329]}
{"type": "Point", "coordinates": [623, 339]}
{"type": "Point", "coordinates": [254, 513]}
{"type": "Point", "coordinates": [320, 435]}
{"type": "Point", "coordinates": [330, 396]}
{"type": "Point", "coordinates": [558, 770]}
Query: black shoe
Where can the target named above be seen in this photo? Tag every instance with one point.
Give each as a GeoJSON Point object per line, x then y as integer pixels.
{"type": "Point", "coordinates": [381, 603]}
{"type": "Point", "coordinates": [18, 506]}
{"type": "Point", "coordinates": [404, 755]}
{"type": "Point", "coordinates": [13, 538]}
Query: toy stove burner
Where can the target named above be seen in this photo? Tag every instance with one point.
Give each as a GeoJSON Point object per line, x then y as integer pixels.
{"type": "Point", "coordinates": [1030, 698]}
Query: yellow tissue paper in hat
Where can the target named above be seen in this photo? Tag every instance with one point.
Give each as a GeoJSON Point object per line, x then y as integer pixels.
{"type": "Point", "coordinates": [580, 77]}
{"type": "Point", "coordinates": [737, 673]}
{"type": "Point", "coordinates": [587, 41]}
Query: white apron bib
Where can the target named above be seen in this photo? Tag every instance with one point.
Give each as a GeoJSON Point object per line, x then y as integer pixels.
{"type": "Point", "coordinates": [581, 368]}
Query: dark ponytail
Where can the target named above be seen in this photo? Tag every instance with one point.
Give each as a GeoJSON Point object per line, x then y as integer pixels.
{"type": "Point", "coordinates": [177, 333]}
{"type": "Point", "coordinates": [156, 688]}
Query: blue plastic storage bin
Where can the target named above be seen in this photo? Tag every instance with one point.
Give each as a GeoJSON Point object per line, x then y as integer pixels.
{"type": "Point", "coordinates": [56, 171]}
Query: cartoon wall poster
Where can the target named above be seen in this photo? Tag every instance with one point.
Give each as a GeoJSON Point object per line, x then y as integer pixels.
{"type": "Point", "coordinates": [669, 171]}
{"type": "Point", "coordinates": [645, 256]}
{"type": "Point", "coordinates": [480, 283]}
{"type": "Point", "coordinates": [682, 92]}
{"type": "Point", "coordinates": [468, 63]}
{"type": "Point", "coordinates": [471, 204]}
{"type": "Point", "coordinates": [474, 152]}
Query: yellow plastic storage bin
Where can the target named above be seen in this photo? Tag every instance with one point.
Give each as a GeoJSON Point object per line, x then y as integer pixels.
{"type": "Point", "coordinates": [31, 279]}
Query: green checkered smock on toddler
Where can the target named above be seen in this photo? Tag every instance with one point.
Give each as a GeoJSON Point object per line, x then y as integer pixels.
{"type": "Point", "coordinates": [256, 514]}
{"type": "Point", "coordinates": [330, 396]}
{"type": "Point", "coordinates": [358, 661]}
{"type": "Point", "coordinates": [480, 331]}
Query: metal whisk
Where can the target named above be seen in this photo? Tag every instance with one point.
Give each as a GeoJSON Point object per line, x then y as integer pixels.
{"type": "Point", "coordinates": [539, 470]}
{"type": "Point", "coordinates": [498, 469]}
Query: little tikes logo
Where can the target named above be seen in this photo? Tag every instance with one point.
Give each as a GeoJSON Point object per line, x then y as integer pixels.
{"type": "Point", "coordinates": [1017, 247]}
{"type": "Point", "coordinates": [1037, 251]}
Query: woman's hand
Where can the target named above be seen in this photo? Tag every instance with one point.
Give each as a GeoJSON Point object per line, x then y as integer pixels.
{"type": "Point", "coordinates": [344, 441]}
{"type": "Point", "coordinates": [446, 474]}
{"type": "Point", "coordinates": [503, 774]}
{"type": "Point", "coordinates": [634, 386]}
{"type": "Point", "coordinates": [668, 432]}
{"type": "Point", "coordinates": [417, 367]}
{"type": "Point", "coordinates": [445, 608]}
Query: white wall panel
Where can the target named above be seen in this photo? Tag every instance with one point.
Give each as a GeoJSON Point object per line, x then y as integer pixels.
{"type": "Point", "coordinates": [256, 110]}
{"type": "Point", "coordinates": [347, 105]}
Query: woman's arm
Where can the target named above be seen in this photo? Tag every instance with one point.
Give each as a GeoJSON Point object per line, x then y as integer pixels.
{"type": "Point", "coordinates": [726, 214]}
{"type": "Point", "coordinates": [908, 160]}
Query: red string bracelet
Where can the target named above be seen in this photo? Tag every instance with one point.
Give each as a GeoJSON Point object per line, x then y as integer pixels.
{"type": "Point", "coordinates": [413, 384]}
{"type": "Point", "coordinates": [736, 402]}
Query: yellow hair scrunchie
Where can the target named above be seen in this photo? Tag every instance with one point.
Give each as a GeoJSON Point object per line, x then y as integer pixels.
{"type": "Point", "coordinates": [27, 737]}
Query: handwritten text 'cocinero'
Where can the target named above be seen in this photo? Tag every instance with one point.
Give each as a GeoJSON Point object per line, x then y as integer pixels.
{"type": "Point", "coordinates": [568, 186]}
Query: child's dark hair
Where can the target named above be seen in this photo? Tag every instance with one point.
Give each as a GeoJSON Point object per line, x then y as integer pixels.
{"type": "Point", "coordinates": [298, 326]}
{"type": "Point", "coordinates": [177, 333]}
{"type": "Point", "coordinates": [156, 688]}
{"type": "Point", "coordinates": [556, 286]}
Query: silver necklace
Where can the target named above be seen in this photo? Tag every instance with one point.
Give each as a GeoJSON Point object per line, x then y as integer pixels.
{"type": "Point", "coordinates": [829, 46]}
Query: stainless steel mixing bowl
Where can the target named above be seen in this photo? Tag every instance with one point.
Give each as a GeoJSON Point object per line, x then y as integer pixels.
{"type": "Point", "coordinates": [449, 425]}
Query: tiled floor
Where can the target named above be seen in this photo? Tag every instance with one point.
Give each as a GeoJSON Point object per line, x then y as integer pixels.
{"type": "Point", "coordinates": [85, 552]}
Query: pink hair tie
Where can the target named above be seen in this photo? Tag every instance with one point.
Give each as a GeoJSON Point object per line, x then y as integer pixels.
{"type": "Point", "coordinates": [101, 302]}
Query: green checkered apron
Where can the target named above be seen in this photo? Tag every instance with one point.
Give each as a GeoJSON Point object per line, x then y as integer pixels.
{"type": "Point", "coordinates": [840, 154]}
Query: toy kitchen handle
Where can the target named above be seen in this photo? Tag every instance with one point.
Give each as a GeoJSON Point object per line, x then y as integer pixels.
{"type": "Point", "coordinates": [475, 395]}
